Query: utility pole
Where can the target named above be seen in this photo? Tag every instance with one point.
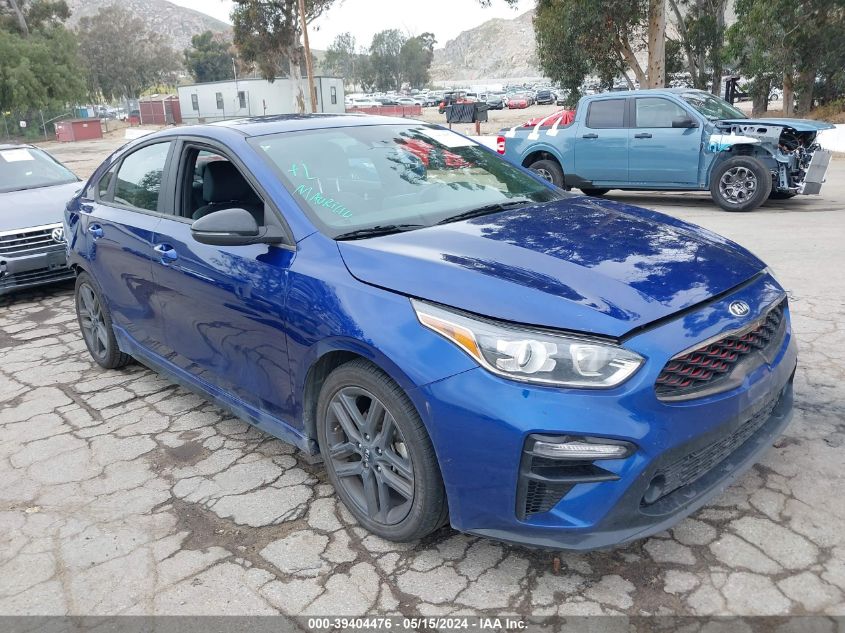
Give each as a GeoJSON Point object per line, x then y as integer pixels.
{"type": "Point", "coordinates": [308, 67]}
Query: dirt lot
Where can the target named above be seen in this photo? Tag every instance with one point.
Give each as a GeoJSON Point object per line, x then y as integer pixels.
{"type": "Point", "coordinates": [121, 493]}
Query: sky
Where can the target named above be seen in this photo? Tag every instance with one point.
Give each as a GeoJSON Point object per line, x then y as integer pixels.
{"type": "Point", "coordinates": [364, 18]}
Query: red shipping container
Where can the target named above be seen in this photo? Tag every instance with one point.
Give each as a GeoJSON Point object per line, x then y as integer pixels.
{"type": "Point", "coordinates": [78, 130]}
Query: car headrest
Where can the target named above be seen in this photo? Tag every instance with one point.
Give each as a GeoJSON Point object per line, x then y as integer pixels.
{"type": "Point", "coordinates": [222, 182]}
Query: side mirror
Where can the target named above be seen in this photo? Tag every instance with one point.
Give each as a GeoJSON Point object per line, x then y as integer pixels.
{"type": "Point", "coordinates": [683, 121]}
{"type": "Point", "coordinates": [233, 227]}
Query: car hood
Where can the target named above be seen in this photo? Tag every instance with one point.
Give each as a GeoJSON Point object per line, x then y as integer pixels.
{"type": "Point", "coordinates": [799, 125]}
{"type": "Point", "coordinates": [35, 207]}
{"type": "Point", "coordinates": [578, 264]}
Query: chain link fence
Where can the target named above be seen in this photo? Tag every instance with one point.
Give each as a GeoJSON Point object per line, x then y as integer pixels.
{"type": "Point", "coordinates": [32, 125]}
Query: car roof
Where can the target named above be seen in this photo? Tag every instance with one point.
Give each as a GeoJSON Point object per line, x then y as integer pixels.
{"type": "Point", "coordinates": [259, 126]}
{"type": "Point", "coordinates": [16, 146]}
{"type": "Point", "coordinates": [649, 91]}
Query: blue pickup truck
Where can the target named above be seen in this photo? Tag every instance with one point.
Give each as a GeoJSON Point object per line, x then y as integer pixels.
{"type": "Point", "coordinates": [673, 139]}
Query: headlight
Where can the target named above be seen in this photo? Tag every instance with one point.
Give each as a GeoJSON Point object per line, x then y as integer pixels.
{"type": "Point", "coordinates": [531, 355]}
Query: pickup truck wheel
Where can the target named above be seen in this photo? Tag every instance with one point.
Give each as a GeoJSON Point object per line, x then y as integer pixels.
{"type": "Point", "coordinates": [741, 183]}
{"type": "Point", "coordinates": [548, 170]}
{"type": "Point", "coordinates": [781, 195]}
{"type": "Point", "coordinates": [592, 191]}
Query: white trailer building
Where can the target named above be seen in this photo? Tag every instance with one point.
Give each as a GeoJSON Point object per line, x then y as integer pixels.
{"type": "Point", "coordinates": [218, 100]}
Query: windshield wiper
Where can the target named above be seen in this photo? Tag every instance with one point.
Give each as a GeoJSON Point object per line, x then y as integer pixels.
{"type": "Point", "coordinates": [374, 231]}
{"type": "Point", "coordinates": [486, 210]}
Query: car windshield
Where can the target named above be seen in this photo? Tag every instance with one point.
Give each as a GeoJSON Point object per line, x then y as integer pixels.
{"type": "Point", "coordinates": [711, 106]}
{"type": "Point", "coordinates": [30, 168]}
{"type": "Point", "coordinates": [350, 179]}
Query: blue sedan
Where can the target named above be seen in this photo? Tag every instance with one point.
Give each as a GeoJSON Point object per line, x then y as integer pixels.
{"type": "Point", "coordinates": [458, 340]}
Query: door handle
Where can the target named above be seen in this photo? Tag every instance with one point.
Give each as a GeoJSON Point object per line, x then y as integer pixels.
{"type": "Point", "coordinates": [166, 253]}
{"type": "Point", "coordinates": [96, 231]}
{"type": "Point", "coordinates": [590, 135]}
{"type": "Point", "coordinates": [642, 135]}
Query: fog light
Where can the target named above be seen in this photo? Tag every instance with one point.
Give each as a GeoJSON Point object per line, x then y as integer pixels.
{"type": "Point", "coordinates": [579, 450]}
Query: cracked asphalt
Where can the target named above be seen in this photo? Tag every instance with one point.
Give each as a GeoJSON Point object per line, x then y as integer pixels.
{"type": "Point", "coordinates": [121, 493]}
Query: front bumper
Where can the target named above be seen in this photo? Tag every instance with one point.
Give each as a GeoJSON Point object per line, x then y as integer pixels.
{"type": "Point", "coordinates": [479, 424]}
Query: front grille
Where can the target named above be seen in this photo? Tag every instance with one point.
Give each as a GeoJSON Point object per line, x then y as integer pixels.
{"type": "Point", "coordinates": [706, 366]}
{"type": "Point", "coordinates": [27, 241]}
{"type": "Point", "coordinates": [699, 462]}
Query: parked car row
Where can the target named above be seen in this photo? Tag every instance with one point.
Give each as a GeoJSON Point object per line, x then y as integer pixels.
{"type": "Point", "coordinates": [391, 99]}
{"type": "Point", "coordinates": [459, 340]}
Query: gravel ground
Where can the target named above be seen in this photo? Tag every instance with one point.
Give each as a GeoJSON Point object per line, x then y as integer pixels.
{"type": "Point", "coordinates": [123, 494]}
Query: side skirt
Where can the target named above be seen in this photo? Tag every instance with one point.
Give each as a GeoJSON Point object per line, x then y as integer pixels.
{"type": "Point", "coordinates": [240, 409]}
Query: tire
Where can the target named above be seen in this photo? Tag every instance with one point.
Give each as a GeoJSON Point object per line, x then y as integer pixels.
{"type": "Point", "coordinates": [548, 170]}
{"type": "Point", "coordinates": [781, 195]}
{"type": "Point", "coordinates": [594, 191]}
{"type": "Point", "coordinates": [741, 183]}
{"type": "Point", "coordinates": [95, 324]}
{"type": "Point", "coordinates": [360, 454]}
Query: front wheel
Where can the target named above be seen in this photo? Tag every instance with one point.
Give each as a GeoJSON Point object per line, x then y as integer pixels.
{"type": "Point", "coordinates": [548, 170]}
{"type": "Point", "coordinates": [741, 183]}
{"type": "Point", "coordinates": [378, 455]}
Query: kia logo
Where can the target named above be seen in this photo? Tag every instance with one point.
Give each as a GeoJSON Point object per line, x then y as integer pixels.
{"type": "Point", "coordinates": [58, 235]}
{"type": "Point", "coordinates": [739, 308]}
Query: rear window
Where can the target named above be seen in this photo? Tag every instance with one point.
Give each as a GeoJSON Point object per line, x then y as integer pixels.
{"type": "Point", "coordinates": [607, 113]}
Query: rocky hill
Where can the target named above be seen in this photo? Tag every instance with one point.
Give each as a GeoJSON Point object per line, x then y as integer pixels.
{"type": "Point", "coordinates": [177, 23]}
{"type": "Point", "coordinates": [496, 49]}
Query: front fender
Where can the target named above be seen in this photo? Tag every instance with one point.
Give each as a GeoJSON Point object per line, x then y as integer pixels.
{"type": "Point", "coordinates": [329, 310]}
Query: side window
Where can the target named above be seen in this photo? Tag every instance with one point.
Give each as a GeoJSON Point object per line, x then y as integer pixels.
{"type": "Point", "coordinates": [105, 182]}
{"type": "Point", "coordinates": [195, 103]}
{"type": "Point", "coordinates": [334, 95]}
{"type": "Point", "coordinates": [606, 113]}
{"type": "Point", "coordinates": [241, 99]}
{"type": "Point", "coordinates": [139, 177]}
{"type": "Point", "coordinates": [656, 112]}
{"type": "Point", "coordinates": [219, 96]}
{"type": "Point", "coordinates": [213, 183]}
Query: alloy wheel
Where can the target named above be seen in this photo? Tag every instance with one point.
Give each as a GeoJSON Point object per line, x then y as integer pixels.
{"type": "Point", "coordinates": [545, 174]}
{"type": "Point", "coordinates": [92, 321]}
{"type": "Point", "coordinates": [738, 185]}
{"type": "Point", "coordinates": [369, 455]}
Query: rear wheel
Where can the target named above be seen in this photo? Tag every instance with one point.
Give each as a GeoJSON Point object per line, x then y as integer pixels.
{"type": "Point", "coordinates": [378, 454]}
{"type": "Point", "coordinates": [548, 170]}
{"type": "Point", "coordinates": [95, 323]}
{"type": "Point", "coordinates": [594, 191]}
{"type": "Point", "coordinates": [741, 183]}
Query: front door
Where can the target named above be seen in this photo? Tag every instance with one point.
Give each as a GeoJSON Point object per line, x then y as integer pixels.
{"type": "Point", "coordinates": [659, 154]}
{"type": "Point", "coordinates": [119, 223]}
{"type": "Point", "coordinates": [224, 306]}
{"type": "Point", "coordinates": [601, 143]}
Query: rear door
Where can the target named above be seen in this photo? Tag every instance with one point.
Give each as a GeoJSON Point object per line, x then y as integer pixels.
{"type": "Point", "coordinates": [660, 154]}
{"type": "Point", "coordinates": [224, 306]}
{"type": "Point", "coordinates": [119, 222]}
{"type": "Point", "coordinates": [601, 143]}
